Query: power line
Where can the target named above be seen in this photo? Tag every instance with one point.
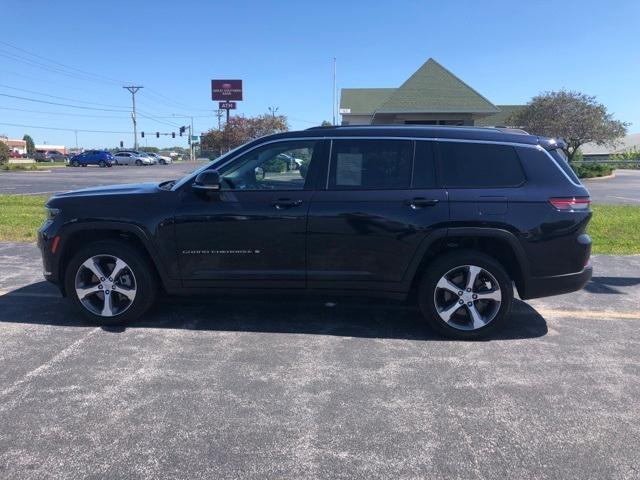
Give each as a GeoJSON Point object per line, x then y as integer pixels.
{"type": "Point", "coordinates": [60, 104]}
{"type": "Point", "coordinates": [61, 129]}
{"type": "Point", "coordinates": [57, 97]}
{"type": "Point", "coordinates": [67, 114]}
{"type": "Point", "coordinates": [85, 73]}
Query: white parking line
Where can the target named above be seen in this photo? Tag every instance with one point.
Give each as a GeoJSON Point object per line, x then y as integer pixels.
{"type": "Point", "coordinates": [625, 198]}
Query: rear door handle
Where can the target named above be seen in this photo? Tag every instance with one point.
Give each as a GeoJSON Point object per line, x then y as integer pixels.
{"type": "Point", "coordinates": [282, 203]}
{"type": "Point", "coordinates": [420, 202]}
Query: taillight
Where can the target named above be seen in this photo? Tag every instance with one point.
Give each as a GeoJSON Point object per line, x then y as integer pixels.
{"type": "Point", "coordinates": [571, 204]}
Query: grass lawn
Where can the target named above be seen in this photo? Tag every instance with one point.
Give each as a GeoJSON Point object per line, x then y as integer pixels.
{"type": "Point", "coordinates": [20, 217]}
{"type": "Point", "coordinates": [615, 229]}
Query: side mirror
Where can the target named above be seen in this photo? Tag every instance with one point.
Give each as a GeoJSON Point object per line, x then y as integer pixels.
{"type": "Point", "coordinates": [209, 180]}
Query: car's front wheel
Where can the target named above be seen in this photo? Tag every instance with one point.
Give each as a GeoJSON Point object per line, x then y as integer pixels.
{"type": "Point", "coordinates": [138, 162]}
{"type": "Point", "coordinates": [102, 164]}
{"type": "Point", "coordinates": [465, 295]}
{"type": "Point", "coordinates": [110, 282]}
{"type": "Point", "coordinates": [75, 163]}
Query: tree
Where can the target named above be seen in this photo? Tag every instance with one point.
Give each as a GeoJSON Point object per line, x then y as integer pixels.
{"type": "Point", "coordinates": [239, 130]}
{"type": "Point", "coordinates": [31, 147]}
{"type": "Point", "coordinates": [574, 116]}
{"type": "Point", "coordinates": [4, 153]}
{"type": "Point", "coordinates": [326, 123]}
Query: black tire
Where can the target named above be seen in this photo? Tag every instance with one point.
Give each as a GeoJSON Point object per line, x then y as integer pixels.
{"type": "Point", "coordinates": [143, 276]}
{"type": "Point", "coordinates": [75, 163]}
{"type": "Point", "coordinates": [450, 262]}
{"type": "Point", "coordinates": [138, 162]}
{"type": "Point", "coordinates": [102, 164]}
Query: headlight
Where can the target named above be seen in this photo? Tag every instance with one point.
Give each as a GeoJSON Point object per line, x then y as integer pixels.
{"type": "Point", "coordinates": [52, 212]}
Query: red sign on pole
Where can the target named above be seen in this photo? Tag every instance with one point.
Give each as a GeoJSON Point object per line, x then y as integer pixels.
{"type": "Point", "coordinates": [226, 90]}
{"type": "Point", "coordinates": [227, 105]}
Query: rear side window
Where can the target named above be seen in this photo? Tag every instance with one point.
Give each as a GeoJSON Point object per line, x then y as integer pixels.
{"type": "Point", "coordinates": [370, 164]}
{"type": "Point", "coordinates": [477, 165]}
{"type": "Point", "coordinates": [562, 161]}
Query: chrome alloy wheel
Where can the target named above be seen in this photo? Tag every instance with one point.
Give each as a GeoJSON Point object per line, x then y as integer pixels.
{"type": "Point", "coordinates": [467, 297]}
{"type": "Point", "coordinates": [105, 285]}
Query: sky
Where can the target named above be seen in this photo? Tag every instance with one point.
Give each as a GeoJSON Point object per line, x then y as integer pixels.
{"type": "Point", "coordinates": [283, 51]}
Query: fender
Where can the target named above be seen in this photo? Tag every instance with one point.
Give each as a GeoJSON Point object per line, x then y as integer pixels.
{"type": "Point", "coordinates": [141, 233]}
{"type": "Point", "coordinates": [451, 232]}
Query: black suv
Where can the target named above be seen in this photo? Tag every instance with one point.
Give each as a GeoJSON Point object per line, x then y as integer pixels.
{"type": "Point", "coordinates": [451, 216]}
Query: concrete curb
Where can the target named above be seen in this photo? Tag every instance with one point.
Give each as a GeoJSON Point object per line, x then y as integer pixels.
{"type": "Point", "coordinates": [607, 177]}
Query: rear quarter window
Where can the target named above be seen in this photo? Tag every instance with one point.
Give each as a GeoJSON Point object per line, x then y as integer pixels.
{"type": "Point", "coordinates": [562, 161]}
{"type": "Point", "coordinates": [478, 165]}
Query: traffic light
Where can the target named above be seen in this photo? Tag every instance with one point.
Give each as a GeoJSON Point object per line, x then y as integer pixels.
{"type": "Point", "coordinates": [157, 134]}
{"type": "Point", "coordinates": [182, 129]}
{"type": "Point", "coordinates": [142, 134]}
{"type": "Point", "coordinates": [173, 134]}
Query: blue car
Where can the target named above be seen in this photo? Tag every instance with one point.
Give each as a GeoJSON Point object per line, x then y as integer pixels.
{"type": "Point", "coordinates": [92, 157]}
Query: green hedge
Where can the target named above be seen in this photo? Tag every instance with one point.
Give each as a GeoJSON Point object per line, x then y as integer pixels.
{"type": "Point", "coordinates": [591, 170]}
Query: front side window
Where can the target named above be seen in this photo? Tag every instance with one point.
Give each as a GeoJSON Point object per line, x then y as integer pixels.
{"type": "Point", "coordinates": [479, 165]}
{"type": "Point", "coordinates": [370, 164]}
{"type": "Point", "coordinates": [276, 166]}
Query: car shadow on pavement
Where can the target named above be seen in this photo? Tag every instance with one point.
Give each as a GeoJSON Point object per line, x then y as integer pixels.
{"type": "Point", "coordinates": [608, 284]}
{"type": "Point", "coordinates": [38, 303]}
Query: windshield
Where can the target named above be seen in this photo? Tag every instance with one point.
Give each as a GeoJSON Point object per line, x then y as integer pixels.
{"type": "Point", "coordinates": [206, 166]}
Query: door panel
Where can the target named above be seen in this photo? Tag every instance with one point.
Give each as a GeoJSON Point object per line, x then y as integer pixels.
{"type": "Point", "coordinates": [369, 236]}
{"type": "Point", "coordinates": [251, 233]}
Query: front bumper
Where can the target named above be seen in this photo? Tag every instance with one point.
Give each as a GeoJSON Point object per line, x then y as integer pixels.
{"type": "Point", "coordinates": [536, 287]}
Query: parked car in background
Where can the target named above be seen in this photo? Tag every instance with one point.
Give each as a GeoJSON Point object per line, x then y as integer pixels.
{"type": "Point", "coordinates": [92, 157]}
{"type": "Point", "coordinates": [49, 156]}
{"type": "Point", "coordinates": [162, 160]}
{"type": "Point", "coordinates": [15, 154]}
{"type": "Point", "coordinates": [131, 157]}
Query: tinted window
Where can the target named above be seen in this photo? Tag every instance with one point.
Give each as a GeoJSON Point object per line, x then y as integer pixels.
{"type": "Point", "coordinates": [370, 164]}
{"type": "Point", "coordinates": [475, 165]}
{"type": "Point", "coordinates": [276, 166]}
{"type": "Point", "coordinates": [562, 161]}
{"type": "Point", "coordinates": [424, 174]}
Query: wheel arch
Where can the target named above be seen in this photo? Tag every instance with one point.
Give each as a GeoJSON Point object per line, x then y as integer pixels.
{"type": "Point", "coordinates": [499, 244]}
{"type": "Point", "coordinates": [82, 234]}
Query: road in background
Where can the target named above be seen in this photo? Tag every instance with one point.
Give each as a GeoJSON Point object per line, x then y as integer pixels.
{"type": "Point", "coordinates": [621, 190]}
{"type": "Point", "coordinates": [70, 178]}
{"type": "Point", "coordinates": [243, 387]}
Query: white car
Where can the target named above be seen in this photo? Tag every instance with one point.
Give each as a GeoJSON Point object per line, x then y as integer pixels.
{"type": "Point", "coordinates": [131, 158]}
{"type": "Point", "coordinates": [162, 160]}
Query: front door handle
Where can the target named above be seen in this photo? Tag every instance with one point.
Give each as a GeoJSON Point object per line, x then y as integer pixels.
{"type": "Point", "coordinates": [283, 203]}
{"type": "Point", "coordinates": [421, 202]}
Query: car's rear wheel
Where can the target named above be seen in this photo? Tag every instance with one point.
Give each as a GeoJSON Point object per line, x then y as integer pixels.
{"type": "Point", "coordinates": [110, 283]}
{"type": "Point", "coordinates": [465, 295]}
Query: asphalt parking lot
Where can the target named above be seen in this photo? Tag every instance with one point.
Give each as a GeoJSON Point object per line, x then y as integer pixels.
{"type": "Point", "coordinates": [623, 189]}
{"type": "Point", "coordinates": [64, 179]}
{"type": "Point", "coordinates": [294, 387]}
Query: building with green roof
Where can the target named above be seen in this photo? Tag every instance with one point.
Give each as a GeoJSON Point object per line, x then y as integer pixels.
{"type": "Point", "coordinates": [431, 96]}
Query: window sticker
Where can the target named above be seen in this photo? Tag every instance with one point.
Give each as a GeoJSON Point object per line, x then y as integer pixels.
{"type": "Point", "coordinates": [349, 169]}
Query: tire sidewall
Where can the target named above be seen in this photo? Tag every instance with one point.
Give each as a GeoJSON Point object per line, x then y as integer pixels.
{"type": "Point", "coordinates": [456, 259]}
{"type": "Point", "coordinates": [145, 280]}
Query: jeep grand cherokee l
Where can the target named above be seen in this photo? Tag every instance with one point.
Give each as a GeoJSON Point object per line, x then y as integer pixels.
{"type": "Point", "coordinates": [454, 217]}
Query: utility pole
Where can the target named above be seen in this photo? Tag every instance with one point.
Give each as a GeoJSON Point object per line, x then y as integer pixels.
{"type": "Point", "coordinates": [76, 132]}
{"type": "Point", "coordinates": [133, 89]}
{"type": "Point", "coordinates": [219, 115]}
{"type": "Point", "coordinates": [333, 106]}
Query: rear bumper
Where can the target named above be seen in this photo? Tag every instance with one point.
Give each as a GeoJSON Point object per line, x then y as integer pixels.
{"type": "Point", "coordinates": [537, 287]}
